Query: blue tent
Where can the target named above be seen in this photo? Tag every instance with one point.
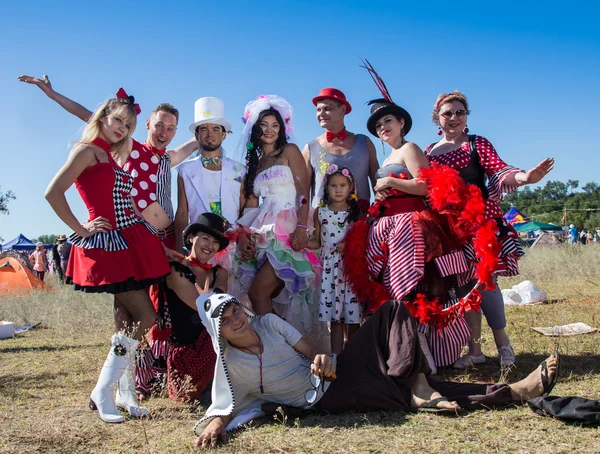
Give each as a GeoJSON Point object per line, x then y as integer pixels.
{"type": "Point", "coordinates": [514, 217]}
{"type": "Point", "coordinates": [21, 243]}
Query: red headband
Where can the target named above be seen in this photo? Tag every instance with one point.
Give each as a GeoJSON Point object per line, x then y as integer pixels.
{"type": "Point", "coordinates": [121, 94]}
{"type": "Point", "coordinates": [437, 104]}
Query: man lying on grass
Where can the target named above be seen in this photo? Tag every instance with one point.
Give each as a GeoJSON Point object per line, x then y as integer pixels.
{"type": "Point", "coordinates": [265, 360]}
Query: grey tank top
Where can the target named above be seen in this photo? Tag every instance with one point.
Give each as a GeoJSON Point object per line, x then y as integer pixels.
{"type": "Point", "coordinates": [357, 160]}
{"type": "Point", "coordinates": [392, 168]}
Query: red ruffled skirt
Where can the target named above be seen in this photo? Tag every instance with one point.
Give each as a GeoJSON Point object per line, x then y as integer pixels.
{"type": "Point", "coordinates": [191, 368]}
{"type": "Point", "coordinates": [118, 261]}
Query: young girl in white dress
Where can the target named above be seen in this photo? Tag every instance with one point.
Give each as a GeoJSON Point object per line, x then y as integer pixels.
{"type": "Point", "coordinates": [333, 218]}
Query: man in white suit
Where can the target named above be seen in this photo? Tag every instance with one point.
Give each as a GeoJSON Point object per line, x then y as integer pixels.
{"type": "Point", "coordinates": [210, 182]}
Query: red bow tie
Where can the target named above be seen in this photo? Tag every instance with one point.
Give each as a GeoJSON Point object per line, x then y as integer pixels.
{"type": "Point", "coordinates": [332, 135]}
{"type": "Point", "coordinates": [194, 262]}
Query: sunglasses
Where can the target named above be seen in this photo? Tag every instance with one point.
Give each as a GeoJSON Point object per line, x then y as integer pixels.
{"type": "Point", "coordinates": [310, 396]}
{"type": "Point", "coordinates": [448, 114]}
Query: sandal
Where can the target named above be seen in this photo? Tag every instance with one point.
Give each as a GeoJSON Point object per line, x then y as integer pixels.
{"type": "Point", "coordinates": [549, 385]}
{"type": "Point", "coordinates": [431, 407]}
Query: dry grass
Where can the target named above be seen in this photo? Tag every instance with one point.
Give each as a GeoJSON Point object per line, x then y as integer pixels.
{"type": "Point", "coordinates": [47, 374]}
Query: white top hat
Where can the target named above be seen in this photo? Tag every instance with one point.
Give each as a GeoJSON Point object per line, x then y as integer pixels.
{"type": "Point", "coordinates": [209, 110]}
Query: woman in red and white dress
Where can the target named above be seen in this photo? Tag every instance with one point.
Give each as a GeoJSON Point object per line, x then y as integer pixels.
{"type": "Point", "coordinates": [410, 248]}
{"type": "Point", "coordinates": [476, 160]}
{"type": "Point", "coordinates": [114, 251]}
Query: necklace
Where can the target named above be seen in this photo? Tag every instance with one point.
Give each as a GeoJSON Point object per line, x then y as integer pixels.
{"type": "Point", "coordinates": [216, 160]}
{"type": "Point", "coordinates": [259, 356]}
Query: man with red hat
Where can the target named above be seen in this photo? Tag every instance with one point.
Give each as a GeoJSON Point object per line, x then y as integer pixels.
{"type": "Point", "coordinates": [339, 146]}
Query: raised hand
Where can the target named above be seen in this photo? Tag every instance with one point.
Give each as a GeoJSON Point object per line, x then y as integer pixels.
{"type": "Point", "coordinates": [44, 84]}
{"type": "Point", "coordinates": [538, 172]}
{"type": "Point", "coordinates": [207, 288]}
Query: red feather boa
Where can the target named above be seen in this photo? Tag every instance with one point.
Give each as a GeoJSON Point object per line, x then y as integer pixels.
{"type": "Point", "coordinates": [463, 203]}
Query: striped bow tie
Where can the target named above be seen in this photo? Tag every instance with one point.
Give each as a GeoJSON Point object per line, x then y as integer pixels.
{"type": "Point", "coordinates": [216, 160]}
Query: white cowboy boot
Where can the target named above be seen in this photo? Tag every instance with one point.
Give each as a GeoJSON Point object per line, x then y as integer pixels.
{"type": "Point", "coordinates": [102, 397]}
{"type": "Point", "coordinates": [126, 398]}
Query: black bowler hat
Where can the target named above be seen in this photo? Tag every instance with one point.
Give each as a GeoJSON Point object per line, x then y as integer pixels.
{"type": "Point", "coordinates": [210, 223]}
{"type": "Point", "coordinates": [382, 107]}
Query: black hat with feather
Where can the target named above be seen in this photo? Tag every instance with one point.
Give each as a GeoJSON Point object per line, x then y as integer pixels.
{"type": "Point", "coordinates": [384, 106]}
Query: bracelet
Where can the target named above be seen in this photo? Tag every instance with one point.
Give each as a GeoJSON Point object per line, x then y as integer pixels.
{"type": "Point", "coordinates": [301, 225]}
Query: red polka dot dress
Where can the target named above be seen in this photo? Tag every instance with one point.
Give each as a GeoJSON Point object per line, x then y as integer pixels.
{"type": "Point", "coordinates": [129, 257]}
{"type": "Point", "coordinates": [495, 170]}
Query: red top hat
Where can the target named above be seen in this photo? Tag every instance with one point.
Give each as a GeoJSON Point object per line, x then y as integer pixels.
{"type": "Point", "coordinates": [333, 93]}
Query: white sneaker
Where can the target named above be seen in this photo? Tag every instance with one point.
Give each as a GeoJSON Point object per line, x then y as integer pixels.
{"type": "Point", "coordinates": [468, 361]}
{"type": "Point", "coordinates": [507, 356]}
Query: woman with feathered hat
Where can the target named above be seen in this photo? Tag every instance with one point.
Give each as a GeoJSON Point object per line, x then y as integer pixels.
{"type": "Point", "coordinates": [410, 250]}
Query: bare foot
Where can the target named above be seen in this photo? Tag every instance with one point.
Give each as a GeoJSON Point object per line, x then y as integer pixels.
{"type": "Point", "coordinates": [532, 385]}
{"type": "Point", "coordinates": [421, 392]}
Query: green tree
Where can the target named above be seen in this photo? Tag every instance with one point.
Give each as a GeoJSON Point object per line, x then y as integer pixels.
{"type": "Point", "coordinates": [5, 197]}
{"type": "Point", "coordinates": [46, 239]}
{"type": "Point", "coordinates": [548, 203]}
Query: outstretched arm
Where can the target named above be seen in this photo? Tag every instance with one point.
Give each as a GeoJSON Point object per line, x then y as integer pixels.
{"type": "Point", "coordinates": [532, 176]}
{"type": "Point", "coordinates": [69, 105]}
{"type": "Point", "coordinates": [182, 152]}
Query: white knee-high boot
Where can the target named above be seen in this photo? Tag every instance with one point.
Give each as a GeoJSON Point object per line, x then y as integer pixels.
{"type": "Point", "coordinates": [103, 395]}
{"type": "Point", "coordinates": [126, 397]}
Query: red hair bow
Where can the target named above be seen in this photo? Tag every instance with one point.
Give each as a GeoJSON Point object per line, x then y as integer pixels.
{"type": "Point", "coordinates": [122, 94]}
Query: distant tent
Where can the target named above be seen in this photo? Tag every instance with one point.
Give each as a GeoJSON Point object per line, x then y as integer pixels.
{"type": "Point", "coordinates": [514, 217]}
{"type": "Point", "coordinates": [14, 277]}
{"type": "Point", "coordinates": [21, 243]}
{"type": "Point", "coordinates": [548, 239]}
{"type": "Point", "coordinates": [533, 225]}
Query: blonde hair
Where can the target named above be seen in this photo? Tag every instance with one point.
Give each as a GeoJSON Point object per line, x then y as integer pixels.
{"type": "Point", "coordinates": [119, 108]}
{"type": "Point", "coordinates": [448, 97]}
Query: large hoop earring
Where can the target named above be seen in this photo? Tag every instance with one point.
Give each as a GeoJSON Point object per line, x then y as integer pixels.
{"type": "Point", "coordinates": [466, 130]}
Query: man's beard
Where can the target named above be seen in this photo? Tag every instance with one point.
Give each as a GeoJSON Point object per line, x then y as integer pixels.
{"type": "Point", "coordinates": [210, 147]}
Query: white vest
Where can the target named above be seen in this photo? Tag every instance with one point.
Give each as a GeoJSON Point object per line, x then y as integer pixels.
{"type": "Point", "coordinates": [232, 173]}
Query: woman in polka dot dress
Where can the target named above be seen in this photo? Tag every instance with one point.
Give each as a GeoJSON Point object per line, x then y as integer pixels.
{"type": "Point", "coordinates": [477, 161]}
{"type": "Point", "coordinates": [114, 251]}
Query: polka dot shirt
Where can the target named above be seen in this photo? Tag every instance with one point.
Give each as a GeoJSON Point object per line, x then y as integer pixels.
{"type": "Point", "coordinates": [151, 172]}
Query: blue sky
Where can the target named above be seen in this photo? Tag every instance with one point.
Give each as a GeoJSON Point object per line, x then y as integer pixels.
{"type": "Point", "coordinates": [530, 70]}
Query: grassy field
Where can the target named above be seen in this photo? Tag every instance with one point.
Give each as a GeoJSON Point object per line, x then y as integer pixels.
{"type": "Point", "coordinates": [47, 374]}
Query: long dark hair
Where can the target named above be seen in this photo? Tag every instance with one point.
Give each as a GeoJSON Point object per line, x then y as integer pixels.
{"type": "Point", "coordinates": [352, 197]}
{"type": "Point", "coordinates": [254, 147]}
